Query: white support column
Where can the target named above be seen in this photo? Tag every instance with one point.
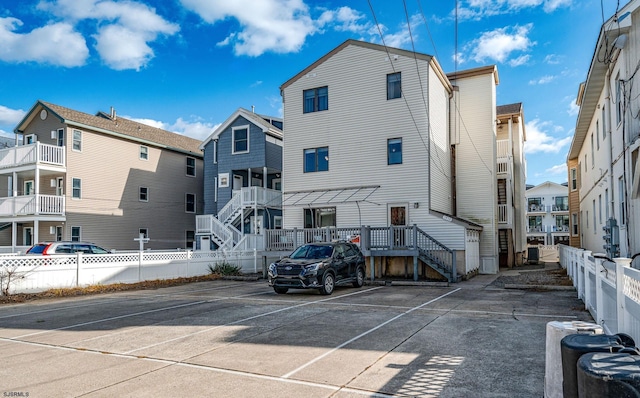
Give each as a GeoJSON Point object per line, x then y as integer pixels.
{"type": "Point", "coordinates": [265, 183]}
{"type": "Point", "coordinates": [36, 228]}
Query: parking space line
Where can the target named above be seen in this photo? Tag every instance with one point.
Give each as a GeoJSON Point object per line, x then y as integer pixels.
{"type": "Point", "coordinates": [110, 319]}
{"type": "Point", "coordinates": [239, 373]}
{"type": "Point", "coordinates": [286, 376]}
{"type": "Point", "coordinates": [249, 319]}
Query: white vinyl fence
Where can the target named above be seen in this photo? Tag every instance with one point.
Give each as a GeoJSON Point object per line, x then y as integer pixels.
{"type": "Point", "coordinates": [610, 290]}
{"type": "Point", "coordinates": [38, 273]}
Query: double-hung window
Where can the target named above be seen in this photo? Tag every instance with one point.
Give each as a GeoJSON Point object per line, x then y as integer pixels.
{"type": "Point", "coordinates": [240, 139]}
{"type": "Point", "coordinates": [394, 151]}
{"type": "Point", "coordinates": [77, 140]}
{"type": "Point", "coordinates": [76, 188]}
{"type": "Point", "coordinates": [76, 234]}
{"type": "Point", "coordinates": [394, 85]}
{"type": "Point", "coordinates": [144, 152]}
{"type": "Point", "coordinates": [190, 203]}
{"type": "Point", "coordinates": [144, 194]}
{"type": "Point", "coordinates": [316, 159]}
{"type": "Point", "coordinates": [191, 166]}
{"type": "Point", "coordinates": [316, 99]}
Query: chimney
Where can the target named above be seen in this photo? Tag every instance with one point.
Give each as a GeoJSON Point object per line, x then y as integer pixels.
{"type": "Point", "coordinates": [113, 113]}
{"type": "Point", "coordinates": [253, 109]}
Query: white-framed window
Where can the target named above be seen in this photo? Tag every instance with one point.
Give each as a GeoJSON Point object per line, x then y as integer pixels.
{"type": "Point", "coordinates": [600, 209]}
{"type": "Point", "coordinates": [190, 203]}
{"type": "Point", "coordinates": [595, 230]}
{"type": "Point", "coordinates": [144, 152]}
{"type": "Point", "coordinates": [76, 188]}
{"type": "Point", "coordinates": [30, 139]}
{"type": "Point", "coordinates": [394, 85]}
{"type": "Point", "coordinates": [223, 180]}
{"type": "Point", "coordinates": [58, 233]}
{"type": "Point", "coordinates": [593, 157]}
{"type": "Point", "coordinates": [144, 232]}
{"type": "Point", "coordinates": [191, 166]}
{"type": "Point", "coordinates": [76, 234]}
{"type": "Point", "coordinates": [28, 187]}
{"type": "Point", "coordinates": [277, 222]}
{"type": "Point", "coordinates": [240, 139]}
{"type": "Point", "coordinates": [574, 179]}
{"type": "Point", "coordinates": [574, 224]}
{"type": "Point", "coordinates": [189, 238]}
{"type": "Point", "coordinates": [215, 151]}
{"type": "Point", "coordinates": [623, 210]}
{"type": "Point", "coordinates": [619, 99]}
{"type": "Point", "coordinates": [76, 144]}
{"type": "Point", "coordinates": [604, 123]}
{"type": "Point", "coordinates": [597, 132]}
{"type": "Point", "coordinates": [143, 195]}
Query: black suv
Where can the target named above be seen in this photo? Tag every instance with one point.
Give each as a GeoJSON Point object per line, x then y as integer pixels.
{"type": "Point", "coordinates": [318, 266]}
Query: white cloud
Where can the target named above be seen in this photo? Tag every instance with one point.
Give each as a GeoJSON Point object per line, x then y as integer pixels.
{"type": "Point", "coordinates": [574, 109]}
{"type": "Point", "coordinates": [124, 29]}
{"type": "Point", "coordinates": [557, 169]}
{"type": "Point", "coordinates": [521, 60]}
{"type": "Point", "coordinates": [543, 80]}
{"type": "Point", "coordinates": [497, 45]}
{"type": "Point", "coordinates": [539, 141]}
{"type": "Point", "coordinates": [194, 128]}
{"type": "Point", "coordinates": [552, 59]}
{"type": "Point", "coordinates": [479, 9]}
{"type": "Point", "coordinates": [56, 44]}
{"type": "Point", "coordinates": [279, 26]}
{"type": "Point", "coordinates": [10, 116]}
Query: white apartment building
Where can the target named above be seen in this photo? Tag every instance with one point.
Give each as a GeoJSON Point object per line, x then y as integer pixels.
{"type": "Point", "coordinates": [547, 214]}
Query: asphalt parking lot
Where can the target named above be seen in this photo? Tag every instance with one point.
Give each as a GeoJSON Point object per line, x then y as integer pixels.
{"type": "Point", "coordinates": [241, 339]}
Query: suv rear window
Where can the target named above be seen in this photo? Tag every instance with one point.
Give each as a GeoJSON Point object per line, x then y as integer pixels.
{"type": "Point", "coordinates": [37, 249]}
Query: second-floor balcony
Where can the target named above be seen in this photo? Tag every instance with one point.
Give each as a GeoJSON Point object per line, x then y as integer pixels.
{"type": "Point", "coordinates": [534, 229]}
{"type": "Point", "coordinates": [32, 205]}
{"type": "Point", "coordinates": [32, 154]}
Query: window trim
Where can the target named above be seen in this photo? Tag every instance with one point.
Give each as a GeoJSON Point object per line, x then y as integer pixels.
{"type": "Point", "coordinates": [391, 94]}
{"type": "Point", "coordinates": [316, 167]}
{"type": "Point", "coordinates": [186, 202]}
{"type": "Point", "coordinates": [191, 167]}
{"type": "Point", "coordinates": [146, 194]}
{"type": "Point", "coordinates": [73, 188]}
{"type": "Point", "coordinates": [389, 142]}
{"type": "Point", "coordinates": [233, 139]}
{"type": "Point", "coordinates": [74, 140]}
{"type": "Point", "coordinates": [143, 155]}
{"type": "Point", "coordinates": [316, 99]}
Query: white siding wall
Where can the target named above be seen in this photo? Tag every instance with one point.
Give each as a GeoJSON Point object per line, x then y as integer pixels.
{"type": "Point", "coordinates": [476, 161]}
{"type": "Point", "coordinates": [356, 127]}
{"type": "Point", "coordinates": [440, 146]}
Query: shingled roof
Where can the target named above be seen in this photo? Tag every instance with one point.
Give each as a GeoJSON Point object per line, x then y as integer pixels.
{"type": "Point", "coordinates": [104, 123]}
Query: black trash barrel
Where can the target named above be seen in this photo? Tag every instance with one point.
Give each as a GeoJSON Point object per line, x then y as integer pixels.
{"type": "Point", "coordinates": [574, 346]}
{"type": "Point", "coordinates": [602, 375]}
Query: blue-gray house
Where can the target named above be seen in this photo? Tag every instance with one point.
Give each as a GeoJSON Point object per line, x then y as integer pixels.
{"type": "Point", "coordinates": [242, 182]}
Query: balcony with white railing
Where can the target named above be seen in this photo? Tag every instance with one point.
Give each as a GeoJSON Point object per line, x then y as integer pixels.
{"type": "Point", "coordinates": [504, 158]}
{"type": "Point", "coordinates": [32, 154]}
{"type": "Point", "coordinates": [31, 205]}
{"type": "Point", "coordinates": [537, 208]}
{"type": "Point", "coordinates": [505, 214]}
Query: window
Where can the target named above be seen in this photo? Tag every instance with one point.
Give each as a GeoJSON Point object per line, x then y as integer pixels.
{"type": "Point", "coordinates": [77, 140]}
{"type": "Point", "coordinates": [30, 139]}
{"type": "Point", "coordinates": [394, 151]}
{"type": "Point", "coordinates": [535, 224]}
{"type": "Point", "coordinates": [606, 204]}
{"type": "Point", "coordinates": [594, 217]}
{"type": "Point", "coordinates": [144, 232]}
{"type": "Point", "coordinates": [28, 187]}
{"type": "Point", "coordinates": [320, 217]}
{"type": "Point", "coordinates": [604, 124]}
{"type": "Point", "coordinates": [190, 238]}
{"type": "Point", "coordinates": [76, 188]}
{"type": "Point", "coordinates": [623, 212]}
{"type": "Point", "coordinates": [144, 152]}
{"type": "Point", "coordinates": [579, 175]}
{"type": "Point", "coordinates": [58, 233]}
{"type": "Point", "coordinates": [619, 99]}
{"type": "Point", "coordinates": [191, 167]}
{"type": "Point", "coordinates": [190, 203]}
{"type": "Point", "coordinates": [277, 222]}
{"type": "Point", "coordinates": [535, 204]}
{"type": "Point", "coordinates": [561, 203]}
{"type": "Point", "coordinates": [144, 194]}
{"type": "Point", "coordinates": [593, 158]}
{"type": "Point", "coordinates": [574, 224]}
{"type": "Point", "coordinates": [316, 159]}
{"type": "Point", "coordinates": [316, 99]}
{"type": "Point", "coordinates": [394, 85]}
{"type": "Point", "coordinates": [75, 234]}
{"type": "Point", "coordinates": [60, 137]}
{"type": "Point", "coordinates": [562, 223]}
{"type": "Point", "coordinates": [596, 133]}
{"type": "Point", "coordinates": [240, 139]}
{"type": "Point", "coordinates": [600, 209]}
{"type": "Point", "coordinates": [574, 179]}
{"type": "Point", "coordinates": [215, 151]}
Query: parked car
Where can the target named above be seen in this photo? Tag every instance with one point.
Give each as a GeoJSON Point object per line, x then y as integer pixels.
{"type": "Point", "coordinates": [319, 266]}
{"type": "Point", "coordinates": [48, 248]}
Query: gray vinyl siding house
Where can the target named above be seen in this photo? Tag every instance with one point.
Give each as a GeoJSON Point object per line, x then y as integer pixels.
{"type": "Point", "coordinates": [99, 178]}
{"type": "Point", "coordinates": [243, 158]}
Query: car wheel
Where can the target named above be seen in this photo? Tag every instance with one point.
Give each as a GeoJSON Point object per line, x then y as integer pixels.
{"type": "Point", "coordinates": [281, 290]}
{"type": "Point", "coordinates": [359, 281]}
{"type": "Point", "coordinates": [328, 283]}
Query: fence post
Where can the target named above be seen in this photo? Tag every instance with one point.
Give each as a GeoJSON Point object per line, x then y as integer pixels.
{"type": "Point", "coordinates": [587, 291]}
{"type": "Point", "coordinates": [598, 267]}
{"type": "Point", "coordinates": [621, 263]}
{"type": "Point", "coordinates": [295, 238]}
{"type": "Point", "coordinates": [78, 260]}
{"type": "Point", "coordinates": [140, 266]}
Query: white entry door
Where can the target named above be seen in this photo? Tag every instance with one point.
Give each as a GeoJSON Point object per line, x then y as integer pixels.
{"type": "Point", "coordinates": [237, 182]}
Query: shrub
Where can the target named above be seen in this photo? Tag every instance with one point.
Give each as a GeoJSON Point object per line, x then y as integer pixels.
{"type": "Point", "coordinates": [225, 269]}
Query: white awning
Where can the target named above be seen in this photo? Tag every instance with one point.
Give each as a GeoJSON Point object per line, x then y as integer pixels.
{"type": "Point", "coordinates": [328, 196]}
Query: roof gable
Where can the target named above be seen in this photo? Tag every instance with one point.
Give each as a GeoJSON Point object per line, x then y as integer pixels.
{"type": "Point", "coordinates": [116, 126]}
{"type": "Point", "coordinates": [255, 119]}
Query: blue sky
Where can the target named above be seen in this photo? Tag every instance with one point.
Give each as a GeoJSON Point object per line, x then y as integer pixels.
{"type": "Point", "coordinates": [187, 65]}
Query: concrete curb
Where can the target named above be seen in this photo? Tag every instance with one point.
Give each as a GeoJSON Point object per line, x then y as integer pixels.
{"type": "Point", "coordinates": [241, 278]}
{"type": "Point", "coordinates": [541, 287]}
